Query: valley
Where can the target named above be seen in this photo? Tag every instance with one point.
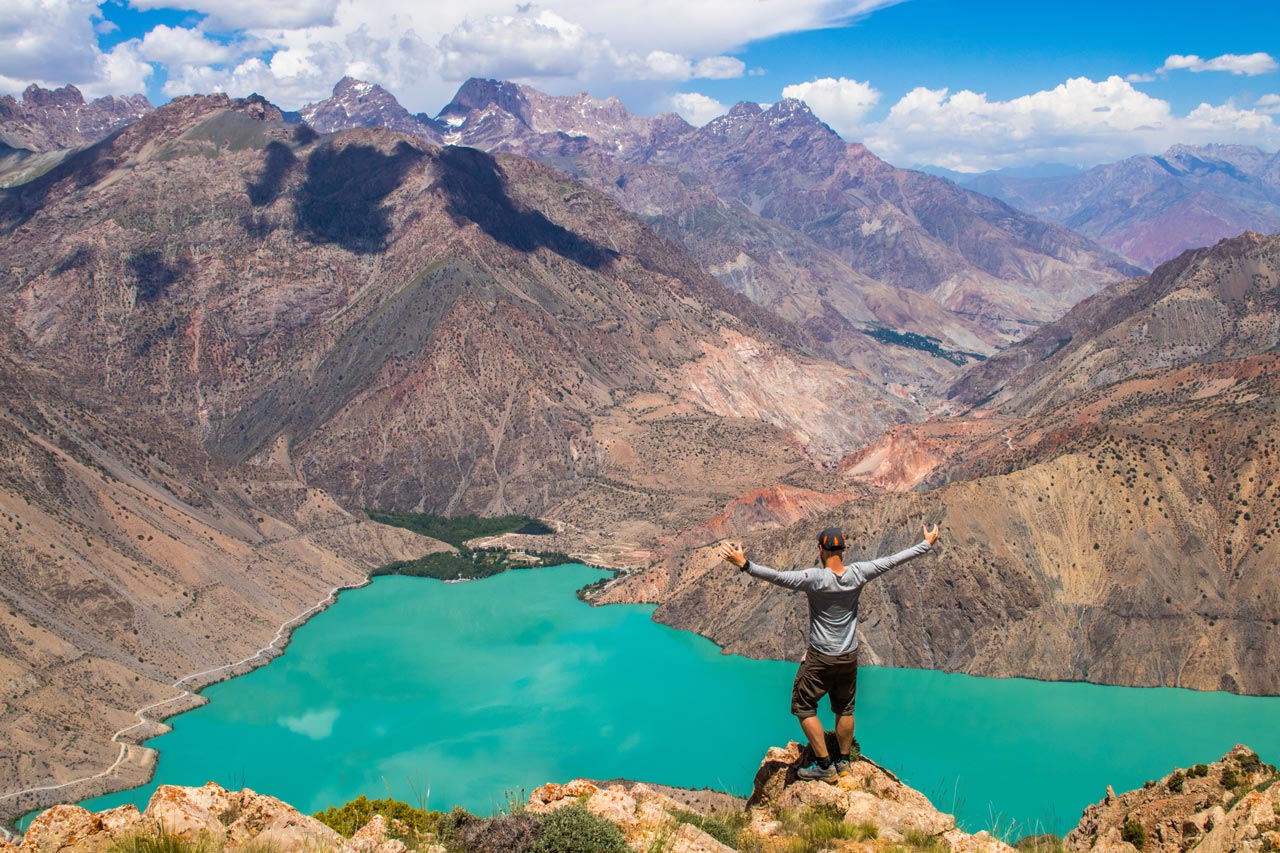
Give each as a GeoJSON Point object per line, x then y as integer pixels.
{"type": "Point", "coordinates": [231, 338]}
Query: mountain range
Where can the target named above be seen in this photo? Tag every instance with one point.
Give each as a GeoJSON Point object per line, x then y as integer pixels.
{"type": "Point", "coordinates": [778, 207]}
{"type": "Point", "coordinates": [228, 331]}
{"type": "Point", "coordinates": [1152, 208]}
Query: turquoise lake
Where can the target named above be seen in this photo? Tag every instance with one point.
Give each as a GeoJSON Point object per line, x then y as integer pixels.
{"type": "Point", "coordinates": [455, 694]}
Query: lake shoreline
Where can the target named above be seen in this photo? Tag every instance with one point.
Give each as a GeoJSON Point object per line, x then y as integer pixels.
{"type": "Point", "coordinates": [145, 760]}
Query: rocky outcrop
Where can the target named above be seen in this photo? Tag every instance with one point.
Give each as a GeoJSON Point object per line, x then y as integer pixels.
{"type": "Point", "coordinates": [225, 820]}
{"type": "Point", "coordinates": [869, 795]}
{"type": "Point", "coordinates": [53, 119]}
{"type": "Point", "coordinates": [1230, 805]}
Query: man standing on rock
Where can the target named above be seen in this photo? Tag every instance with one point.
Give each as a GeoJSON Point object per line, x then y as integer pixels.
{"type": "Point", "coordinates": [830, 663]}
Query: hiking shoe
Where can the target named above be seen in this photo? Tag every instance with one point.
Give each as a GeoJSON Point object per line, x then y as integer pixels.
{"type": "Point", "coordinates": [815, 772]}
{"type": "Point", "coordinates": [843, 767]}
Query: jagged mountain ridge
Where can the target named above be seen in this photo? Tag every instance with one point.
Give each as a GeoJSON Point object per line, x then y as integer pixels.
{"type": "Point", "coordinates": [796, 257]}
{"type": "Point", "coordinates": [1152, 208]}
{"type": "Point", "coordinates": [278, 359]}
{"type": "Point", "coordinates": [54, 119]}
{"type": "Point", "coordinates": [1135, 514]}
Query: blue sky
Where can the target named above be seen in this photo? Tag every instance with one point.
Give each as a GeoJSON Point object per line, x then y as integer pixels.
{"type": "Point", "coordinates": [967, 85]}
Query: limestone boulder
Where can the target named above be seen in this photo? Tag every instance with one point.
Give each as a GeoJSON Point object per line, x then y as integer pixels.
{"type": "Point", "coordinates": [189, 813]}
{"type": "Point", "coordinates": [551, 796]}
{"type": "Point", "coordinates": [374, 837]}
{"type": "Point", "coordinates": [72, 829]}
{"type": "Point", "coordinates": [982, 841]}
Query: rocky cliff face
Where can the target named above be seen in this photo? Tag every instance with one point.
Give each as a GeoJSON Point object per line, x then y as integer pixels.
{"type": "Point", "coordinates": [48, 120]}
{"type": "Point", "coordinates": [415, 327]}
{"type": "Point", "coordinates": [1207, 305]}
{"type": "Point", "coordinates": [1151, 209]}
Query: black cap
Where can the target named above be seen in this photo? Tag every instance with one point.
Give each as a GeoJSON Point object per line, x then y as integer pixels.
{"type": "Point", "coordinates": [831, 539]}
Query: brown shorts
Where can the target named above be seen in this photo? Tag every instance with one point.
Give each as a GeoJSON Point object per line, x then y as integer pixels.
{"type": "Point", "coordinates": [833, 675]}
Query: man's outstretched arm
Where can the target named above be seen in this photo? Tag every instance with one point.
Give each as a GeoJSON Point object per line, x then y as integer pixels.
{"type": "Point", "coordinates": [871, 569]}
{"type": "Point", "coordinates": [734, 554]}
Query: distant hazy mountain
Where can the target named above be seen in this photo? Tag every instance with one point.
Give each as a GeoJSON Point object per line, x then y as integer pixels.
{"type": "Point", "coordinates": [1150, 209]}
{"type": "Point", "coordinates": [52, 119]}
{"type": "Point", "coordinates": [1036, 170]}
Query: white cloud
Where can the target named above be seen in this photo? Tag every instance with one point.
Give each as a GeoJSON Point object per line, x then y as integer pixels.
{"type": "Point", "coordinates": [696, 108]}
{"type": "Point", "coordinates": [49, 41]}
{"type": "Point", "coordinates": [531, 43]}
{"type": "Point", "coordinates": [421, 51]}
{"type": "Point", "coordinates": [1251, 64]}
{"type": "Point", "coordinates": [1140, 78]}
{"type": "Point", "coordinates": [178, 46]}
{"type": "Point", "coordinates": [55, 42]}
{"type": "Point", "coordinates": [719, 68]}
{"type": "Point", "coordinates": [841, 103]}
{"type": "Point", "coordinates": [1269, 104]}
{"type": "Point", "coordinates": [1081, 122]}
{"type": "Point", "coordinates": [254, 14]}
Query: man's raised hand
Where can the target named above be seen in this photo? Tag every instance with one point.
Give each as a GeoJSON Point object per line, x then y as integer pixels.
{"type": "Point", "coordinates": [930, 536]}
{"type": "Point", "coordinates": [733, 554]}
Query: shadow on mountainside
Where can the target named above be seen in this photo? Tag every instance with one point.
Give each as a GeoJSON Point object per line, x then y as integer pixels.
{"type": "Point", "coordinates": [81, 169]}
{"type": "Point", "coordinates": [277, 164]}
{"type": "Point", "coordinates": [474, 188]}
{"type": "Point", "coordinates": [341, 200]}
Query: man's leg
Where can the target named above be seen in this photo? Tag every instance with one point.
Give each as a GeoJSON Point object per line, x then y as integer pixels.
{"type": "Point", "coordinates": [813, 730]}
{"type": "Point", "coordinates": [844, 732]}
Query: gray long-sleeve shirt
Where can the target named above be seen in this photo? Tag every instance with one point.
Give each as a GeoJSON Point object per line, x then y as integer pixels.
{"type": "Point", "coordinates": [833, 599]}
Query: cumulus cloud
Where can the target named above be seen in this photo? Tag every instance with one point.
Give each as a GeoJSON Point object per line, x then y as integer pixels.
{"type": "Point", "coordinates": [1250, 64]}
{"type": "Point", "coordinates": [841, 103]}
{"type": "Point", "coordinates": [719, 68]}
{"type": "Point", "coordinates": [1268, 104]}
{"type": "Point", "coordinates": [696, 108]}
{"type": "Point", "coordinates": [294, 52]}
{"type": "Point", "coordinates": [254, 14]}
{"type": "Point", "coordinates": [54, 42]}
{"type": "Point", "coordinates": [531, 43]}
{"type": "Point", "coordinates": [177, 46]}
{"type": "Point", "coordinates": [1081, 121]}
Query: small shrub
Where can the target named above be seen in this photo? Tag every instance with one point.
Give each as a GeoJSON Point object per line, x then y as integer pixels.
{"type": "Point", "coordinates": [1134, 833]}
{"type": "Point", "coordinates": [349, 818]}
{"type": "Point", "coordinates": [725, 827]}
{"type": "Point", "coordinates": [1199, 771]}
{"type": "Point", "coordinates": [1250, 762]}
{"type": "Point", "coordinates": [451, 825]}
{"type": "Point", "coordinates": [513, 833]}
{"type": "Point", "coordinates": [163, 842]}
{"type": "Point", "coordinates": [815, 826]}
{"type": "Point", "coordinates": [1230, 778]}
{"type": "Point", "coordinates": [923, 842]}
{"type": "Point", "coordinates": [573, 829]}
{"type": "Point", "coordinates": [1046, 843]}
{"type": "Point", "coordinates": [1176, 781]}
